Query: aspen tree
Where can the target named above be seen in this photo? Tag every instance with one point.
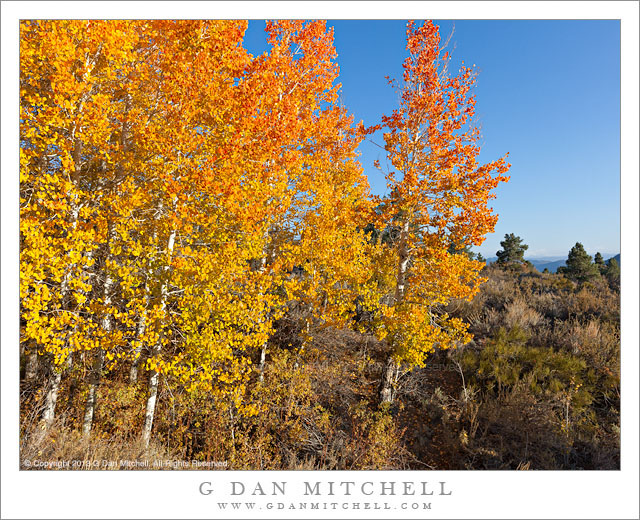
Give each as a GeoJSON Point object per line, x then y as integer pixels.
{"type": "Point", "coordinates": [439, 196]}
{"type": "Point", "coordinates": [69, 71]}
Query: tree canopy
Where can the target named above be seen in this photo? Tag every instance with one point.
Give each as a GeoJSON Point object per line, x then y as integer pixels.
{"type": "Point", "coordinates": [579, 265]}
{"type": "Point", "coordinates": [181, 199]}
{"type": "Point", "coordinates": [512, 251]}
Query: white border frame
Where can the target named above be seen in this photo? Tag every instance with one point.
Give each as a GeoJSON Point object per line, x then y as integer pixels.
{"type": "Point", "coordinates": [546, 494]}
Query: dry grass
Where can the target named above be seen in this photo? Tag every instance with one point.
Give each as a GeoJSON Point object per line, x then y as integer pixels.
{"type": "Point", "coordinates": [519, 313]}
{"type": "Point", "coordinates": [59, 446]}
{"type": "Point", "coordinates": [319, 408]}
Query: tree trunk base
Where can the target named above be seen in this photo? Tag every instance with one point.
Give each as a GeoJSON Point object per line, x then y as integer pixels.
{"type": "Point", "coordinates": [389, 381]}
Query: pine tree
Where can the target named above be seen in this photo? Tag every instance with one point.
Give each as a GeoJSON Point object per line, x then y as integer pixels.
{"type": "Point", "coordinates": [612, 272]}
{"type": "Point", "coordinates": [579, 265]}
{"type": "Point", "coordinates": [512, 250]}
{"type": "Point", "coordinates": [599, 262]}
{"type": "Point", "coordinates": [481, 258]}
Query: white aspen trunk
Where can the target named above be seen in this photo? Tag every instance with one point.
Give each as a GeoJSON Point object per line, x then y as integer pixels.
{"type": "Point", "coordinates": [98, 361]}
{"type": "Point", "coordinates": [142, 325]}
{"type": "Point", "coordinates": [74, 382]}
{"type": "Point", "coordinates": [133, 372]}
{"type": "Point", "coordinates": [31, 370]}
{"type": "Point", "coordinates": [49, 412]}
{"type": "Point", "coordinates": [403, 262]}
{"type": "Point", "coordinates": [90, 405]}
{"type": "Point", "coordinates": [263, 356]}
{"type": "Point", "coordinates": [389, 380]}
{"type": "Point", "coordinates": [155, 377]}
{"type": "Point", "coordinates": [391, 369]}
{"type": "Point", "coordinates": [150, 409]}
{"type": "Point", "coordinates": [48, 415]}
{"type": "Point", "coordinates": [262, 269]}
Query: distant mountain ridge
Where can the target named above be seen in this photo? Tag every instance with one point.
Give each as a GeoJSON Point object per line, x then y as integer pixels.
{"type": "Point", "coordinates": [552, 265]}
{"type": "Point", "coordinates": [541, 265]}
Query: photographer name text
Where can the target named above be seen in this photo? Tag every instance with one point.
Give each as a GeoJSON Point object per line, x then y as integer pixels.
{"type": "Point", "coordinates": [328, 488]}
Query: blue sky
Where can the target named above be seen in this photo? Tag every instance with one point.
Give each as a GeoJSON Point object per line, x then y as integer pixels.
{"type": "Point", "coordinates": [548, 93]}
